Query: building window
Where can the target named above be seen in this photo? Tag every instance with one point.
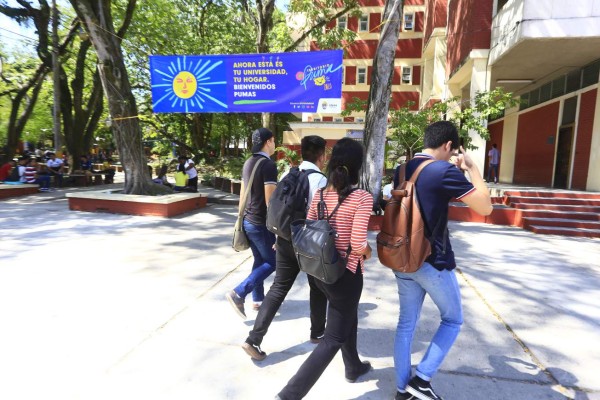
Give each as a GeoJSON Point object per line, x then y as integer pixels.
{"type": "Point", "coordinates": [341, 22]}
{"type": "Point", "coordinates": [406, 75]}
{"type": "Point", "coordinates": [409, 22]}
{"type": "Point", "coordinates": [363, 23]}
{"type": "Point", "coordinates": [338, 119]}
{"type": "Point", "coordinates": [361, 75]}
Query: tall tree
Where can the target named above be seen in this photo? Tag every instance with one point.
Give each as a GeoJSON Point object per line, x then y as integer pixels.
{"type": "Point", "coordinates": [97, 18]}
{"type": "Point", "coordinates": [379, 98]}
{"type": "Point", "coordinates": [81, 103]}
{"type": "Point", "coordinates": [23, 93]}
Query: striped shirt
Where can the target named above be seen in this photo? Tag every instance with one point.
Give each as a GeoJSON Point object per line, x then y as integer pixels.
{"type": "Point", "coordinates": [30, 173]}
{"type": "Point", "coordinates": [350, 222]}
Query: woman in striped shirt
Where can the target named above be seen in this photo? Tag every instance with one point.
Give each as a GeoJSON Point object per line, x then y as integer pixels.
{"type": "Point", "coordinates": [32, 175]}
{"type": "Point", "coordinates": [350, 222]}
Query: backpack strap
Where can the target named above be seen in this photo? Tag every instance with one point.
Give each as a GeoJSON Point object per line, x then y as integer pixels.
{"type": "Point", "coordinates": [415, 175]}
{"type": "Point", "coordinates": [339, 203]}
{"type": "Point", "coordinates": [312, 171]}
{"type": "Point", "coordinates": [244, 197]}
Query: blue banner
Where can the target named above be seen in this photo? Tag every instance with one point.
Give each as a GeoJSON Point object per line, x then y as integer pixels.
{"type": "Point", "coordinates": [273, 82]}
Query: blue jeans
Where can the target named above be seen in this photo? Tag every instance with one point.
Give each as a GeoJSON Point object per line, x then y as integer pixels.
{"type": "Point", "coordinates": [443, 289]}
{"type": "Point", "coordinates": [43, 181]}
{"type": "Point", "coordinates": [493, 169]}
{"type": "Point", "coordinates": [261, 244]}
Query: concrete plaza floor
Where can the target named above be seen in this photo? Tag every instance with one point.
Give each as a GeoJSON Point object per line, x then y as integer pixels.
{"type": "Point", "coordinates": [104, 306]}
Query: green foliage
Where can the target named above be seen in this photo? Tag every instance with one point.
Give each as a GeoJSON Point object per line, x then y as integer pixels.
{"type": "Point", "coordinates": [407, 126]}
{"type": "Point", "coordinates": [356, 105]}
{"type": "Point", "coordinates": [291, 158]}
{"type": "Point", "coordinates": [17, 69]}
{"type": "Point", "coordinates": [232, 168]}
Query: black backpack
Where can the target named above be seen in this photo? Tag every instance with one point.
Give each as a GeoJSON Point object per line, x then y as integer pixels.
{"type": "Point", "coordinates": [289, 202]}
{"type": "Point", "coordinates": [314, 245]}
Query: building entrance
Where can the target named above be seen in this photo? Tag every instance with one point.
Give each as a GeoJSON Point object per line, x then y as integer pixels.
{"type": "Point", "coordinates": [563, 157]}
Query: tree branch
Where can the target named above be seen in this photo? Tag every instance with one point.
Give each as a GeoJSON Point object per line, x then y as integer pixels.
{"type": "Point", "coordinates": [318, 26]}
{"type": "Point", "coordinates": [127, 20]}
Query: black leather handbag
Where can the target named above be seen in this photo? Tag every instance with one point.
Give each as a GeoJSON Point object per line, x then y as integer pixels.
{"type": "Point", "coordinates": [314, 246]}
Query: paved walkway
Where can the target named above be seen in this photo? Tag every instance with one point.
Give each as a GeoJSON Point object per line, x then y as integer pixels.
{"type": "Point", "coordinates": [103, 306]}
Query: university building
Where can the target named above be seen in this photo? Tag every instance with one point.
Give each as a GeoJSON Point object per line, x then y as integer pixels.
{"type": "Point", "coordinates": [547, 52]}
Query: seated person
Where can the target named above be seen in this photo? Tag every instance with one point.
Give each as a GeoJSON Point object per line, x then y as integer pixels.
{"type": "Point", "coordinates": [6, 169]}
{"type": "Point", "coordinates": [55, 168]}
{"type": "Point", "coordinates": [33, 175]}
{"type": "Point", "coordinates": [108, 170]}
{"type": "Point", "coordinates": [85, 167]}
{"type": "Point", "coordinates": [161, 178]}
{"type": "Point", "coordinates": [384, 196]}
{"type": "Point", "coordinates": [181, 179]}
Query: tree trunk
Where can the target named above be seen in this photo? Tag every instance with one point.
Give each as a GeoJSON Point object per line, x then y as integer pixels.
{"type": "Point", "coordinates": [16, 122]}
{"type": "Point", "coordinates": [80, 120]}
{"type": "Point", "coordinates": [379, 99]}
{"type": "Point", "coordinates": [97, 18]}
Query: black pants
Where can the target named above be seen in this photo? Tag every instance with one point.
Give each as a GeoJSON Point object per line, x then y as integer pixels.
{"type": "Point", "coordinates": [193, 183]}
{"type": "Point", "coordinates": [340, 333]}
{"type": "Point", "coordinates": [286, 271]}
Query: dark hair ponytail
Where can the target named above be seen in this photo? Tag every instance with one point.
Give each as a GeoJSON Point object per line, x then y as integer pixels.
{"type": "Point", "coordinates": [344, 166]}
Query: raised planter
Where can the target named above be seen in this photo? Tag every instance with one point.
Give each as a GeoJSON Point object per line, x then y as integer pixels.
{"type": "Point", "coordinates": [113, 201]}
{"type": "Point", "coordinates": [8, 190]}
{"type": "Point", "coordinates": [226, 185]}
{"type": "Point", "coordinates": [236, 186]}
{"type": "Point", "coordinates": [218, 182]}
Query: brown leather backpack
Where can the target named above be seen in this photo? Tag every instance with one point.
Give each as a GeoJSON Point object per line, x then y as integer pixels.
{"type": "Point", "coordinates": [402, 244]}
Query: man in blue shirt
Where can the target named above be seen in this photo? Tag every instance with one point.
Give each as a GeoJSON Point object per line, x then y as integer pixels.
{"type": "Point", "coordinates": [438, 182]}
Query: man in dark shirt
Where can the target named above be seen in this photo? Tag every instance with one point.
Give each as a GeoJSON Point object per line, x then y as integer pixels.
{"type": "Point", "coordinates": [255, 219]}
{"type": "Point", "coordinates": [438, 182]}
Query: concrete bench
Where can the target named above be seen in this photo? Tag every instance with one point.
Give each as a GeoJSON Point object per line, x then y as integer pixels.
{"type": "Point", "coordinates": [24, 189]}
{"type": "Point", "coordinates": [82, 179]}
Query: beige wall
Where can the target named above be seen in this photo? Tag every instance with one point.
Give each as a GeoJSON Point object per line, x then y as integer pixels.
{"type": "Point", "coordinates": [593, 181]}
{"type": "Point", "coordinates": [509, 146]}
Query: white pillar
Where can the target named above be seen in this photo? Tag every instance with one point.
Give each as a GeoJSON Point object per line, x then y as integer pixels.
{"type": "Point", "coordinates": [593, 178]}
{"type": "Point", "coordinates": [480, 82]}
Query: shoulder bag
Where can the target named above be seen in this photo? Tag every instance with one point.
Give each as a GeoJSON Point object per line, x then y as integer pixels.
{"type": "Point", "coordinates": [240, 240]}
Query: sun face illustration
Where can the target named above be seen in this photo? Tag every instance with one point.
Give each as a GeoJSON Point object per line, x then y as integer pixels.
{"type": "Point", "coordinates": [185, 84]}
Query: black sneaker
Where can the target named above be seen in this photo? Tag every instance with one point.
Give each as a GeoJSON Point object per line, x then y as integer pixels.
{"type": "Point", "coordinates": [404, 396]}
{"type": "Point", "coordinates": [254, 351]}
{"type": "Point", "coordinates": [421, 389]}
{"type": "Point", "coordinates": [364, 368]}
{"type": "Point", "coordinates": [237, 303]}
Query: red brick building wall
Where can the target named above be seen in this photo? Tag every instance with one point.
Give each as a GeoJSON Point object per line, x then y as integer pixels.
{"type": "Point", "coordinates": [436, 17]}
{"type": "Point", "coordinates": [584, 139]}
{"type": "Point", "coordinates": [469, 28]}
{"type": "Point", "coordinates": [408, 48]}
{"type": "Point", "coordinates": [534, 157]}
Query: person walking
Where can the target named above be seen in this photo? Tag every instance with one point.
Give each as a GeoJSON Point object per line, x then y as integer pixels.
{"type": "Point", "coordinates": [255, 217]}
{"type": "Point", "coordinates": [350, 222]}
{"type": "Point", "coordinates": [438, 182]}
{"type": "Point", "coordinates": [286, 266]}
{"type": "Point", "coordinates": [494, 163]}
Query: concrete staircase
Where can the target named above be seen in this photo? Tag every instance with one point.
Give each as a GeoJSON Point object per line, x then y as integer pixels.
{"type": "Point", "coordinates": [556, 212]}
